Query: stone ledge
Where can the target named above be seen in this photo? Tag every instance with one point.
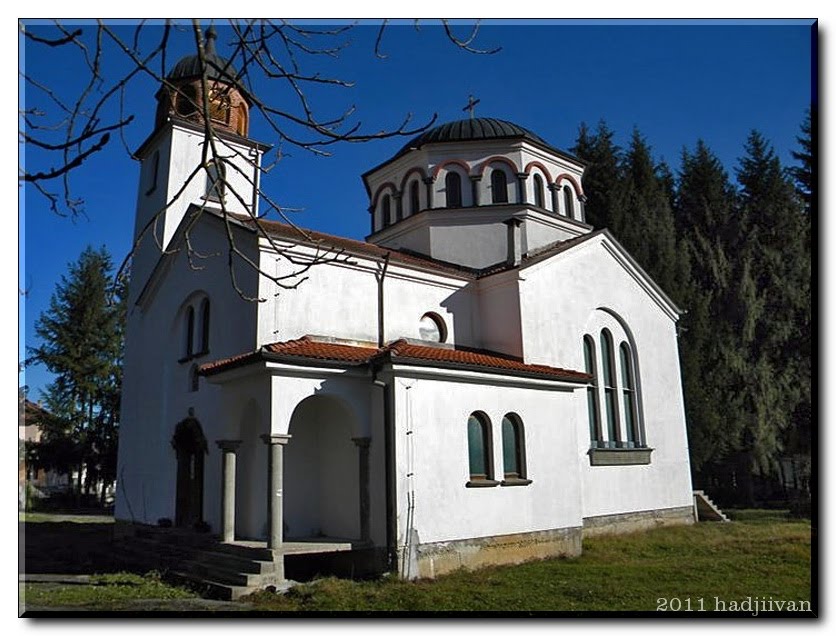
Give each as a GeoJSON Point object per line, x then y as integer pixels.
{"type": "Point", "coordinates": [639, 520]}
{"type": "Point", "coordinates": [481, 483]}
{"type": "Point", "coordinates": [619, 456]}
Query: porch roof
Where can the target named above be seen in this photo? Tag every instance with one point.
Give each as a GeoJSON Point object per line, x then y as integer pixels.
{"type": "Point", "coordinates": [310, 349]}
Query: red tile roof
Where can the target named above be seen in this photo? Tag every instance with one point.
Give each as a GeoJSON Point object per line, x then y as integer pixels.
{"type": "Point", "coordinates": [308, 348]}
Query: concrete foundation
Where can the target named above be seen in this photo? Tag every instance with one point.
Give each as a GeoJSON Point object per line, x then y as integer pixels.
{"type": "Point", "coordinates": [634, 521]}
{"type": "Point", "coordinates": [443, 557]}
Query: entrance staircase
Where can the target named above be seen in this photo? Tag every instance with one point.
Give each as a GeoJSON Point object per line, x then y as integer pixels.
{"type": "Point", "coordinates": [707, 510]}
{"type": "Point", "coordinates": [218, 570]}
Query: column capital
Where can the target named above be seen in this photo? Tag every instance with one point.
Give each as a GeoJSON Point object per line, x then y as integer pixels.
{"type": "Point", "coordinates": [554, 187]}
{"type": "Point", "coordinates": [362, 442]}
{"type": "Point", "coordinates": [275, 438]}
{"type": "Point", "coordinates": [228, 444]}
{"type": "Point", "coordinates": [522, 175]}
{"type": "Point", "coordinates": [475, 177]}
{"type": "Point", "coordinates": [428, 180]}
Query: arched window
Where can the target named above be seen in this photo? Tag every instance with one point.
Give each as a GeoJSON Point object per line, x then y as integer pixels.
{"type": "Point", "coordinates": [592, 403]}
{"type": "Point", "coordinates": [189, 333]}
{"type": "Point", "coordinates": [386, 210]}
{"type": "Point", "coordinates": [215, 176]}
{"type": "Point", "coordinates": [432, 328]}
{"type": "Point", "coordinates": [569, 202]}
{"type": "Point", "coordinates": [499, 186]}
{"type": "Point", "coordinates": [513, 447]}
{"type": "Point", "coordinates": [479, 448]}
{"type": "Point", "coordinates": [539, 194]}
{"type": "Point", "coordinates": [414, 201]}
{"type": "Point", "coordinates": [453, 188]}
{"type": "Point", "coordinates": [204, 326]}
{"type": "Point", "coordinates": [608, 359]}
{"type": "Point", "coordinates": [186, 100]}
{"type": "Point", "coordinates": [628, 389]}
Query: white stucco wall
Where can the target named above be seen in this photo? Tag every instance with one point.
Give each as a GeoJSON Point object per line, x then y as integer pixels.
{"type": "Point", "coordinates": [432, 460]}
{"type": "Point", "coordinates": [559, 299]}
{"type": "Point", "coordinates": [156, 392]}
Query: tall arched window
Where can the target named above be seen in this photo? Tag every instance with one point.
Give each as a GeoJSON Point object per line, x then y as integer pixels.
{"type": "Point", "coordinates": [569, 202]}
{"type": "Point", "coordinates": [479, 448]}
{"type": "Point", "coordinates": [592, 403]}
{"type": "Point", "coordinates": [539, 194]}
{"type": "Point", "coordinates": [453, 188]}
{"type": "Point", "coordinates": [499, 186]}
{"type": "Point", "coordinates": [189, 333]}
{"type": "Point", "coordinates": [513, 447]}
{"type": "Point", "coordinates": [204, 326]}
{"type": "Point", "coordinates": [628, 389]}
{"type": "Point", "coordinates": [386, 210]}
{"type": "Point", "coordinates": [608, 360]}
{"type": "Point", "coordinates": [215, 176]}
{"type": "Point", "coordinates": [414, 200]}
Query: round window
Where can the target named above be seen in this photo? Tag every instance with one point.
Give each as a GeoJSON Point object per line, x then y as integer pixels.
{"type": "Point", "coordinates": [432, 328]}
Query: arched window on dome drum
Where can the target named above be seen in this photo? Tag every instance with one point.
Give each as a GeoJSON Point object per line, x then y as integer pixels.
{"type": "Point", "coordinates": [453, 189]}
{"type": "Point", "coordinates": [628, 389]}
{"type": "Point", "coordinates": [608, 359]}
{"type": "Point", "coordinates": [386, 210]}
{"type": "Point", "coordinates": [215, 181]}
{"type": "Point", "coordinates": [513, 447]}
{"type": "Point", "coordinates": [499, 186]}
{"type": "Point", "coordinates": [479, 447]}
{"type": "Point", "coordinates": [414, 200]}
{"type": "Point", "coordinates": [592, 401]}
{"type": "Point", "coordinates": [569, 202]}
{"type": "Point", "coordinates": [539, 194]}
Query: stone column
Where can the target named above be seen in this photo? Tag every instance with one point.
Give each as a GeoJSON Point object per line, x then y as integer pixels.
{"type": "Point", "coordinates": [363, 444]}
{"type": "Point", "coordinates": [474, 188]}
{"type": "Point", "coordinates": [228, 449]}
{"type": "Point", "coordinates": [555, 190]}
{"type": "Point", "coordinates": [522, 199]}
{"type": "Point", "coordinates": [275, 487]}
{"type": "Point", "coordinates": [429, 181]}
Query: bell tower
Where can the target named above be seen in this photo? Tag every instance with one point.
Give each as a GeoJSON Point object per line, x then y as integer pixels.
{"type": "Point", "coordinates": [179, 169]}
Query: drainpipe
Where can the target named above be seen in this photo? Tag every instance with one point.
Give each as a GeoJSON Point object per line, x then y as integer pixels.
{"type": "Point", "coordinates": [380, 320]}
{"type": "Point", "coordinates": [389, 469]}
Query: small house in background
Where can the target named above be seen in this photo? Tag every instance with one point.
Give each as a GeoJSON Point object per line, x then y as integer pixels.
{"type": "Point", "coordinates": [485, 379]}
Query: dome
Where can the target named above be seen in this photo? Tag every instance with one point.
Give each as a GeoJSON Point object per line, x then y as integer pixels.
{"type": "Point", "coordinates": [218, 68]}
{"type": "Point", "coordinates": [476, 129]}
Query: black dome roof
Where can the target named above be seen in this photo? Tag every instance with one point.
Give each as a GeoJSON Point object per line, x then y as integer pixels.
{"type": "Point", "coordinates": [473, 130]}
{"type": "Point", "coordinates": [217, 67]}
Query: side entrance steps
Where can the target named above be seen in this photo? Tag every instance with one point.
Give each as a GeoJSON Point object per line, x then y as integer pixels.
{"type": "Point", "coordinates": [707, 510]}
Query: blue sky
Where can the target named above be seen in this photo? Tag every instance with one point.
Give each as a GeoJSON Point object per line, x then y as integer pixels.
{"type": "Point", "coordinates": [676, 82]}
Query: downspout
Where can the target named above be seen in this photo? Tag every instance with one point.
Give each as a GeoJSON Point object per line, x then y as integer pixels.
{"type": "Point", "coordinates": [380, 308]}
{"type": "Point", "coordinates": [389, 469]}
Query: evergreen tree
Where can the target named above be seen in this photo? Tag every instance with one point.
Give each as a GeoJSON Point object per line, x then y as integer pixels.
{"type": "Point", "coordinates": [80, 343]}
{"type": "Point", "coordinates": [803, 173]}
{"type": "Point", "coordinates": [602, 178]}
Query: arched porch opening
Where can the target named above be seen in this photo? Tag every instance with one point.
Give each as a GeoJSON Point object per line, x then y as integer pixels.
{"type": "Point", "coordinates": [321, 477]}
{"type": "Point", "coordinates": [251, 480]}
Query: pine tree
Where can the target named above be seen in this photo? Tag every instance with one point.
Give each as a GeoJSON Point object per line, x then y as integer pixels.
{"type": "Point", "coordinates": [803, 173]}
{"type": "Point", "coordinates": [80, 343]}
{"type": "Point", "coordinates": [602, 178]}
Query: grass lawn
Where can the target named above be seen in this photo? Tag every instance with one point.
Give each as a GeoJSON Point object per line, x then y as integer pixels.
{"type": "Point", "coordinates": [761, 554]}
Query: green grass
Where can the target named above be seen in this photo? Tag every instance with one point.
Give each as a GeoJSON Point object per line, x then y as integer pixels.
{"type": "Point", "coordinates": [51, 517]}
{"type": "Point", "coordinates": [105, 591]}
{"type": "Point", "coordinates": [765, 557]}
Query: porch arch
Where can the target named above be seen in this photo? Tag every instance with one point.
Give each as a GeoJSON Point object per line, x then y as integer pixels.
{"type": "Point", "coordinates": [321, 478]}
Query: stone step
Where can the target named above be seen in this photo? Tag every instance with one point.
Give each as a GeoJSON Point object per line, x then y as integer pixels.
{"type": "Point", "coordinates": [228, 576]}
{"type": "Point", "coordinates": [255, 553]}
{"type": "Point", "coordinates": [213, 589]}
{"type": "Point", "coordinates": [234, 562]}
{"type": "Point", "coordinates": [707, 510]}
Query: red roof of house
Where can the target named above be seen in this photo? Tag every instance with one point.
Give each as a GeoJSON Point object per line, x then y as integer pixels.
{"type": "Point", "coordinates": [307, 348]}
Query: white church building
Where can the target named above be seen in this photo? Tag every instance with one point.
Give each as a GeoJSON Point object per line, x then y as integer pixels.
{"type": "Point", "coordinates": [485, 379]}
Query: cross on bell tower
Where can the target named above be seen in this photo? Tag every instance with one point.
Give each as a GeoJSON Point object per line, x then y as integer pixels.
{"type": "Point", "coordinates": [471, 105]}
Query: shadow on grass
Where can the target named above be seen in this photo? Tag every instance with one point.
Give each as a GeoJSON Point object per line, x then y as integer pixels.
{"type": "Point", "coordinates": [67, 547]}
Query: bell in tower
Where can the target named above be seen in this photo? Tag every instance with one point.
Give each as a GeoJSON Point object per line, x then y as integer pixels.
{"type": "Point", "coordinates": [180, 96]}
